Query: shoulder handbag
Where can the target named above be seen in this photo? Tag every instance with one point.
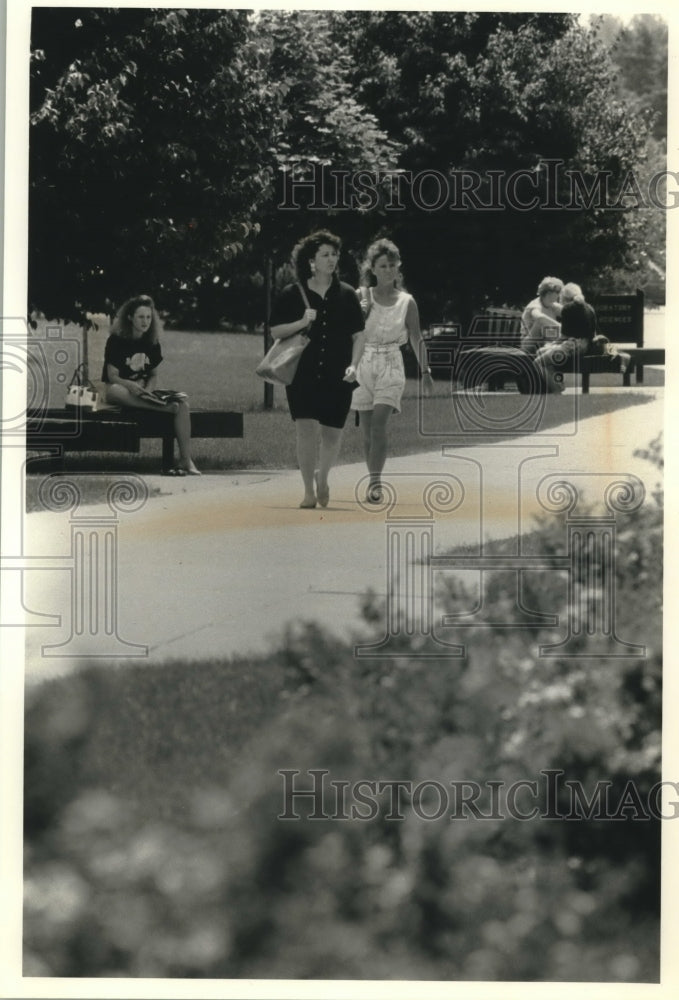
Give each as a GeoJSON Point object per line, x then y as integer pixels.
{"type": "Point", "coordinates": [279, 364]}
{"type": "Point", "coordinates": [80, 391]}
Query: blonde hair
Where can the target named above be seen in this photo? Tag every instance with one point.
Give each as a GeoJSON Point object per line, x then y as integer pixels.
{"type": "Point", "coordinates": [122, 324]}
{"type": "Point", "coordinates": [549, 285]}
{"type": "Point", "coordinates": [380, 248]}
{"type": "Point", "coordinates": [572, 293]}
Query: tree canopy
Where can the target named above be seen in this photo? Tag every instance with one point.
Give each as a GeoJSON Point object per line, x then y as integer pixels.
{"type": "Point", "coordinates": [165, 141]}
{"type": "Point", "coordinates": [638, 50]}
{"type": "Point", "coordinates": [149, 149]}
{"type": "Point", "coordinates": [491, 92]}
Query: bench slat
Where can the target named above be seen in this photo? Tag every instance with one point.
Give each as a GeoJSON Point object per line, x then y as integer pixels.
{"type": "Point", "coordinates": [114, 429]}
{"type": "Point", "coordinates": [81, 435]}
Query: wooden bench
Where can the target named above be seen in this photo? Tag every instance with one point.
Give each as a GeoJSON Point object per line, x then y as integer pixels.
{"type": "Point", "coordinates": [489, 353]}
{"type": "Point", "coordinates": [446, 345]}
{"type": "Point", "coordinates": [115, 429]}
{"type": "Point", "coordinates": [621, 319]}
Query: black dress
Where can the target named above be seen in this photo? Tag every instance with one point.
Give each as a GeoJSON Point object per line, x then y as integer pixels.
{"type": "Point", "coordinates": [318, 391]}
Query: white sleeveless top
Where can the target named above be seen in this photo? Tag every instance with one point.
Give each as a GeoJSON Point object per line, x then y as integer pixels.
{"type": "Point", "coordinates": [386, 325]}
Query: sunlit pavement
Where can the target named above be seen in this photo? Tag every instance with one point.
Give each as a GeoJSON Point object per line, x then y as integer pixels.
{"type": "Point", "coordinates": [217, 565]}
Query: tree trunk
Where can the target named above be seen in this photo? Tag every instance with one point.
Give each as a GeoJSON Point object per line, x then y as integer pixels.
{"type": "Point", "coordinates": [268, 269]}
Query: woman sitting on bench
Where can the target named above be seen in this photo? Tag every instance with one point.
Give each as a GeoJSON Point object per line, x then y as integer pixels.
{"type": "Point", "coordinates": [131, 358]}
{"type": "Point", "coordinates": [540, 318]}
{"type": "Point", "coordinates": [578, 332]}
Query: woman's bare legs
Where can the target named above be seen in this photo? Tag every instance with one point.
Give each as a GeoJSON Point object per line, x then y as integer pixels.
{"type": "Point", "coordinates": [307, 451]}
{"type": "Point", "coordinates": [120, 395]}
{"type": "Point", "coordinates": [317, 450]}
{"type": "Point", "coordinates": [375, 441]}
{"type": "Point", "coordinates": [365, 421]}
{"type": "Point", "coordinates": [182, 432]}
{"type": "Point", "coordinates": [331, 439]}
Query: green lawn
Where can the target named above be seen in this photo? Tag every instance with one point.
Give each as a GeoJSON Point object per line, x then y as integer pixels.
{"type": "Point", "coordinates": [217, 370]}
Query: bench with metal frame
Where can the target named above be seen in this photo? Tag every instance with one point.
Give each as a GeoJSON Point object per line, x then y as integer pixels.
{"type": "Point", "coordinates": [620, 318]}
{"type": "Point", "coordinates": [490, 353]}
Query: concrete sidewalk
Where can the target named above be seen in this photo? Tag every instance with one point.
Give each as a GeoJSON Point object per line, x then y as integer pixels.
{"type": "Point", "coordinates": [218, 565]}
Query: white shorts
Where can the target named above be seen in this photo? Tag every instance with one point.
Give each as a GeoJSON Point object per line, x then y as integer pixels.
{"type": "Point", "coordinates": [381, 379]}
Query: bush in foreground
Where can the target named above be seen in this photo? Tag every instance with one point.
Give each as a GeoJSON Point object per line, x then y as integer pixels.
{"type": "Point", "coordinates": [155, 845]}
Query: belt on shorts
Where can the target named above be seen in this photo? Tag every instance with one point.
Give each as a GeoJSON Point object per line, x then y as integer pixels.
{"type": "Point", "coordinates": [382, 348]}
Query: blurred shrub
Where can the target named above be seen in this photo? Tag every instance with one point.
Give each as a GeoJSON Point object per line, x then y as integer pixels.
{"type": "Point", "coordinates": [154, 845]}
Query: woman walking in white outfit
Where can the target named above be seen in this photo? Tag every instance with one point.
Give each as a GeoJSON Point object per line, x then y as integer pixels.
{"type": "Point", "coordinates": [391, 319]}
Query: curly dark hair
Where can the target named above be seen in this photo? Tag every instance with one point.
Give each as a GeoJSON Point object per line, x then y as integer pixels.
{"type": "Point", "coordinates": [307, 249]}
{"type": "Point", "coordinates": [122, 324]}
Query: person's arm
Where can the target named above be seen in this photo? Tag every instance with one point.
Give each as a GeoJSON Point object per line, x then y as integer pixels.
{"type": "Point", "coordinates": [537, 314]}
{"type": "Point", "coordinates": [115, 378]}
{"type": "Point", "coordinates": [357, 347]}
{"type": "Point", "coordinates": [417, 341]}
{"type": "Point", "coordinates": [151, 380]}
{"type": "Point", "coordinates": [354, 317]}
{"type": "Point", "coordinates": [544, 318]}
{"type": "Point", "coordinates": [543, 326]}
{"type": "Point", "coordinates": [283, 330]}
{"type": "Point", "coordinates": [365, 300]}
{"type": "Point", "coordinates": [287, 307]}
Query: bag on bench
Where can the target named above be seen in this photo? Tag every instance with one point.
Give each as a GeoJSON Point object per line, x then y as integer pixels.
{"type": "Point", "coordinates": [80, 392]}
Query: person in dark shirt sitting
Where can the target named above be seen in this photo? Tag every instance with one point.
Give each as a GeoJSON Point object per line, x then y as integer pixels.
{"type": "Point", "coordinates": [577, 334]}
{"type": "Point", "coordinates": [131, 358]}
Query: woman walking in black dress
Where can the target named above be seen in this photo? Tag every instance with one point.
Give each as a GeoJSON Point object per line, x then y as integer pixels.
{"type": "Point", "coordinates": [319, 396]}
